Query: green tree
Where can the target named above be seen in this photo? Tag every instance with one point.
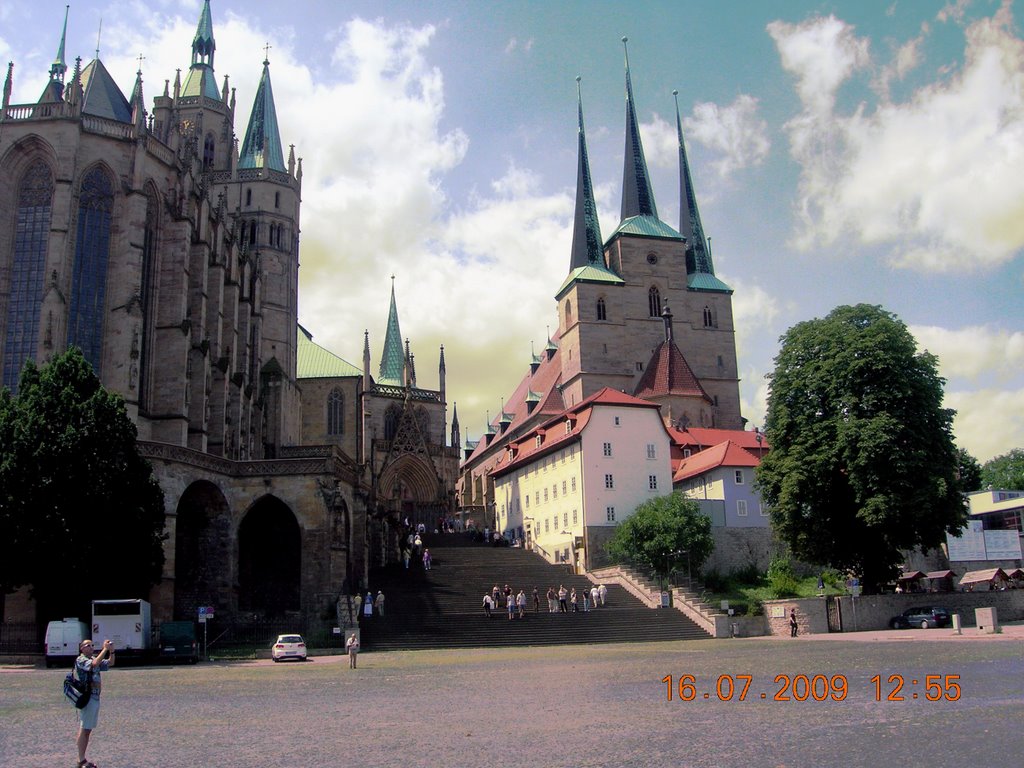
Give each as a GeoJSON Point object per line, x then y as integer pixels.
{"type": "Point", "coordinates": [82, 514]}
{"type": "Point", "coordinates": [969, 470]}
{"type": "Point", "coordinates": [862, 462]}
{"type": "Point", "coordinates": [662, 534]}
{"type": "Point", "coordinates": [1005, 473]}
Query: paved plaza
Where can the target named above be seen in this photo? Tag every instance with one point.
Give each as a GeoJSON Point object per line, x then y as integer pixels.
{"type": "Point", "coordinates": [595, 705]}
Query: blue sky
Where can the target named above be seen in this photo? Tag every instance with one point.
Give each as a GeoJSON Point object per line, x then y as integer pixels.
{"type": "Point", "coordinates": [842, 153]}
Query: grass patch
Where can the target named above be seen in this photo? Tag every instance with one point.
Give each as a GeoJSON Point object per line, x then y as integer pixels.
{"type": "Point", "coordinates": [746, 591]}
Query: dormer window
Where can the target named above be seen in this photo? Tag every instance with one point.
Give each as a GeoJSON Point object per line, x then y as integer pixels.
{"type": "Point", "coordinates": [537, 441]}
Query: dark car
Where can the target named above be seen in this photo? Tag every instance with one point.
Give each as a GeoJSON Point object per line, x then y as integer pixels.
{"type": "Point", "coordinates": [925, 617]}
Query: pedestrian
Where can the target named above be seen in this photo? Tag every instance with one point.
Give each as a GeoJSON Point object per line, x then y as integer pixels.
{"type": "Point", "coordinates": [792, 622]}
{"type": "Point", "coordinates": [594, 595]}
{"type": "Point", "coordinates": [586, 601]}
{"type": "Point", "coordinates": [510, 602]}
{"type": "Point", "coordinates": [405, 558]}
{"type": "Point", "coordinates": [359, 604]}
{"type": "Point", "coordinates": [551, 600]}
{"type": "Point", "coordinates": [379, 602]}
{"type": "Point", "coordinates": [562, 594]}
{"type": "Point", "coordinates": [352, 646]}
{"type": "Point", "coordinates": [426, 559]}
{"type": "Point", "coordinates": [572, 599]}
{"type": "Point", "coordinates": [368, 605]}
{"type": "Point", "coordinates": [536, 600]}
{"type": "Point", "coordinates": [521, 604]}
{"type": "Point", "coordinates": [88, 667]}
{"type": "Point", "coordinates": [488, 604]}
{"type": "Point", "coordinates": [602, 590]}
{"type": "Point", "coordinates": [496, 596]}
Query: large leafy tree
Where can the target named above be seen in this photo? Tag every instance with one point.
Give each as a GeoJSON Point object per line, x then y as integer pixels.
{"type": "Point", "coordinates": [969, 470]}
{"type": "Point", "coordinates": [863, 463]}
{"type": "Point", "coordinates": [663, 533]}
{"type": "Point", "coordinates": [82, 514]}
{"type": "Point", "coordinates": [1005, 473]}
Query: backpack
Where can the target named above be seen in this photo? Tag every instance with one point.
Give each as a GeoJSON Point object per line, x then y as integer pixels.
{"type": "Point", "coordinates": [77, 692]}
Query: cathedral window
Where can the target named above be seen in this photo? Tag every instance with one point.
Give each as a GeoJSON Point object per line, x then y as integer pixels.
{"type": "Point", "coordinates": [31, 236]}
{"type": "Point", "coordinates": [248, 197]}
{"type": "Point", "coordinates": [568, 313]}
{"type": "Point", "coordinates": [209, 147]}
{"type": "Point", "coordinates": [654, 302]}
{"type": "Point", "coordinates": [391, 416]}
{"type": "Point", "coordinates": [252, 233]}
{"type": "Point", "coordinates": [602, 312]}
{"type": "Point", "coordinates": [709, 321]}
{"type": "Point", "coordinates": [335, 413]}
{"type": "Point", "coordinates": [89, 276]}
{"type": "Point", "coordinates": [150, 271]}
{"type": "Point", "coordinates": [277, 199]}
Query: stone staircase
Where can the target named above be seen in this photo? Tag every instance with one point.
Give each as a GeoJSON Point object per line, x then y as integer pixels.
{"type": "Point", "coordinates": [443, 607]}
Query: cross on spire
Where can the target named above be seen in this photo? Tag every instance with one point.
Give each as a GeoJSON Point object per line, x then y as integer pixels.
{"type": "Point", "coordinates": [266, 53]}
{"type": "Point", "coordinates": [141, 58]}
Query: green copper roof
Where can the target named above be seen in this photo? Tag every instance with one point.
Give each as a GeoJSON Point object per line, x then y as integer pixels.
{"type": "Point", "coordinates": [201, 81]}
{"type": "Point", "coordinates": [645, 226]}
{"type": "Point", "coordinates": [59, 67]}
{"type": "Point", "coordinates": [203, 44]}
{"type": "Point", "coordinates": [703, 281]}
{"type": "Point", "coordinates": [102, 96]}
{"type": "Point", "coordinates": [532, 397]}
{"type": "Point", "coordinates": [592, 273]}
{"type": "Point", "coordinates": [314, 362]}
{"type": "Point", "coordinates": [637, 195]}
{"type": "Point", "coordinates": [392, 361]}
{"type": "Point", "coordinates": [262, 145]}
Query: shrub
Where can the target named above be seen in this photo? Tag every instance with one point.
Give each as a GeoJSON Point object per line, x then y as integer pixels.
{"type": "Point", "coordinates": [781, 579]}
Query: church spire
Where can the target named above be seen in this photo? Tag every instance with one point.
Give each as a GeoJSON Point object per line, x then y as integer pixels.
{"type": "Point", "coordinates": [586, 233]}
{"type": "Point", "coordinates": [262, 145]}
{"type": "Point", "coordinates": [698, 255]}
{"type": "Point", "coordinates": [203, 44]}
{"type": "Point", "coordinates": [392, 361]}
{"type": "Point", "coordinates": [637, 196]}
{"type": "Point", "coordinates": [59, 66]}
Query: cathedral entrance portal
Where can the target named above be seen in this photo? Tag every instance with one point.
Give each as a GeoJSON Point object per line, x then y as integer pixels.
{"type": "Point", "coordinates": [269, 559]}
{"type": "Point", "coordinates": [202, 562]}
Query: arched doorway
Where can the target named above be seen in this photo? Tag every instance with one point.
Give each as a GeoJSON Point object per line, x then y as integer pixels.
{"type": "Point", "coordinates": [202, 562]}
{"type": "Point", "coordinates": [269, 559]}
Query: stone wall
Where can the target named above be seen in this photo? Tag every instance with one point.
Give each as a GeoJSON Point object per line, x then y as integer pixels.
{"type": "Point", "coordinates": [739, 548]}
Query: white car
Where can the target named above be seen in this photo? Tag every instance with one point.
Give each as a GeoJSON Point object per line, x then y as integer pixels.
{"type": "Point", "coordinates": [288, 647]}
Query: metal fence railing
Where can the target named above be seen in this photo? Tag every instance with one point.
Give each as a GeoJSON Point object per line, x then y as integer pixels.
{"type": "Point", "coordinates": [21, 637]}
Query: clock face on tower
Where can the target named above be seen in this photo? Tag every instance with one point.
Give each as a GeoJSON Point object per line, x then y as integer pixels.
{"type": "Point", "coordinates": [652, 258]}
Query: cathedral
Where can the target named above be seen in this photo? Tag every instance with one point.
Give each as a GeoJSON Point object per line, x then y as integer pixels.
{"type": "Point", "coordinates": [168, 252]}
{"type": "Point", "coordinates": [640, 312]}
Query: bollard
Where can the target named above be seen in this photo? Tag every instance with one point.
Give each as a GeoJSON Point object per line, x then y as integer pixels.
{"type": "Point", "coordinates": [956, 623]}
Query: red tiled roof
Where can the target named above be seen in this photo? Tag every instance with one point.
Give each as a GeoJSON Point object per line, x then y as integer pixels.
{"type": "Point", "coordinates": [726, 454]}
{"type": "Point", "coordinates": [704, 437]}
{"type": "Point", "coordinates": [668, 373]}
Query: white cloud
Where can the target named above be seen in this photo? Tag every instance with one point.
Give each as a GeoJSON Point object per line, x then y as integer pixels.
{"type": "Point", "coordinates": [988, 422]}
{"type": "Point", "coordinates": [939, 177]}
{"type": "Point", "coordinates": [735, 133]}
{"type": "Point", "coordinates": [974, 352]}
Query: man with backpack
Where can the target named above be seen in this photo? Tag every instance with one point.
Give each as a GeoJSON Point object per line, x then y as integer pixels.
{"type": "Point", "coordinates": [88, 667]}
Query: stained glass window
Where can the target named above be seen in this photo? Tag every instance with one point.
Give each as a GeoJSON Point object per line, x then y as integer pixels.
{"type": "Point", "coordinates": [89, 278]}
{"type": "Point", "coordinates": [31, 236]}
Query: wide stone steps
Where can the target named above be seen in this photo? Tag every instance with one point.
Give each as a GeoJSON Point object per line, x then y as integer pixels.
{"type": "Point", "coordinates": [443, 607]}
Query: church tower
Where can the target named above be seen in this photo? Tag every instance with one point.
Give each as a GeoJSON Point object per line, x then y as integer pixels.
{"type": "Point", "coordinates": [611, 304]}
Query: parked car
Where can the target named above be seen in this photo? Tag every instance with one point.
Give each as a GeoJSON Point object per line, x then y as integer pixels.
{"type": "Point", "coordinates": [288, 647]}
{"type": "Point", "coordinates": [925, 617]}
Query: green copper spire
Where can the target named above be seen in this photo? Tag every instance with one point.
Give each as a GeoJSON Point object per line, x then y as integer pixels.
{"type": "Point", "coordinates": [59, 67]}
{"type": "Point", "coordinates": [392, 361]}
{"type": "Point", "coordinates": [201, 80]}
{"type": "Point", "coordinates": [637, 197]}
{"type": "Point", "coordinates": [698, 257]}
{"type": "Point", "coordinates": [586, 233]}
{"type": "Point", "coordinates": [262, 145]}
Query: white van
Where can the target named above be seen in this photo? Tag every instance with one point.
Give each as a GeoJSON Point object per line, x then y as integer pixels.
{"type": "Point", "coordinates": [62, 639]}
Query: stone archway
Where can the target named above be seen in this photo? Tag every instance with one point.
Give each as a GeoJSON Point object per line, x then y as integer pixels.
{"type": "Point", "coordinates": [269, 559]}
{"type": "Point", "coordinates": [202, 552]}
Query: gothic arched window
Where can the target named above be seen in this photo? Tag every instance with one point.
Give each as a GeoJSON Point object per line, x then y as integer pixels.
{"type": "Point", "coordinates": [568, 313]}
{"type": "Point", "coordinates": [602, 310]}
{"type": "Point", "coordinates": [391, 416]}
{"type": "Point", "coordinates": [654, 302]}
{"type": "Point", "coordinates": [335, 413]}
{"type": "Point", "coordinates": [708, 318]}
{"type": "Point", "coordinates": [209, 148]}
{"type": "Point", "coordinates": [31, 236]}
{"type": "Point", "coordinates": [89, 277]}
{"type": "Point", "coordinates": [252, 233]}
{"type": "Point", "coordinates": [150, 271]}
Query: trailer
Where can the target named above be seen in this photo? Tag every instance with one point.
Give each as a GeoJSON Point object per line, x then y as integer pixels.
{"type": "Point", "coordinates": [127, 623]}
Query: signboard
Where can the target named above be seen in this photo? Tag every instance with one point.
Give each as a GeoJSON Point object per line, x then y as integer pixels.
{"type": "Point", "coordinates": [975, 543]}
{"type": "Point", "coordinates": [205, 613]}
{"type": "Point", "coordinates": [1002, 545]}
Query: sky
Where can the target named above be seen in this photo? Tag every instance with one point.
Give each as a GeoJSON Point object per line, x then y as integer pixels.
{"type": "Point", "coordinates": [841, 153]}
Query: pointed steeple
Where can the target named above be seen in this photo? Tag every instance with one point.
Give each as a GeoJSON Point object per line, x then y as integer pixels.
{"type": "Point", "coordinates": [138, 102]}
{"type": "Point", "coordinates": [392, 361]}
{"type": "Point", "coordinates": [698, 255]}
{"type": "Point", "coordinates": [586, 232]}
{"type": "Point", "coordinates": [59, 67]}
{"type": "Point", "coordinates": [201, 80]}
{"type": "Point", "coordinates": [262, 145]}
{"type": "Point", "coordinates": [637, 196]}
{"type": "Point", "coordinates": [456, 437]}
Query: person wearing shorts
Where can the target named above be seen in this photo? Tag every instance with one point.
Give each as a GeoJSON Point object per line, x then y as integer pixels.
{"type": "Point", "coordinates": [90, 663]}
